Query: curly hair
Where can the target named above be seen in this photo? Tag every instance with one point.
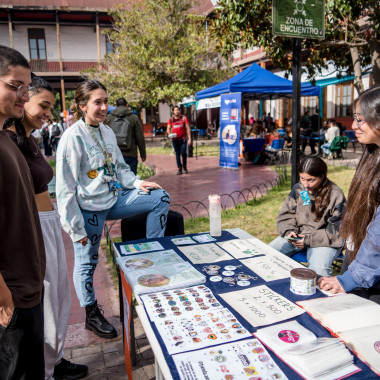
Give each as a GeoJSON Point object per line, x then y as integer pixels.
{"type": "Point", "coordinates": [364, 197]}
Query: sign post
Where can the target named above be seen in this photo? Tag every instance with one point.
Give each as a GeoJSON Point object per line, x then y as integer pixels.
{"type": "Point", "coordinates": [298, 19]}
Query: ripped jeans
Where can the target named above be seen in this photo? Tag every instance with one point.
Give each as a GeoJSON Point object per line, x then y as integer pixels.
{"type": "Point", "coordinates": [130, 202]}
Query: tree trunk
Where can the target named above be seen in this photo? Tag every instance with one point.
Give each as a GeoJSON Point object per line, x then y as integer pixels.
{"type": "Point", "coordinates": [358, 82]}
{"type": "Point", "coordinates": [374, 47]}
{"type": "Point", "coordinates": [374, 44]}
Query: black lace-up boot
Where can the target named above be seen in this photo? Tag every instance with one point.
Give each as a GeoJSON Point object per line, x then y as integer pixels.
{"type": "Point", "coordinates": [96, 322]}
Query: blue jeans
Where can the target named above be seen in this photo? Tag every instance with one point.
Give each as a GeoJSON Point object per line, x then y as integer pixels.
{"type": "Point", "coordinates": [180, 147]}
{"type": "Point", "coordinates": [22, 345]}
{"type": "Point", "coordinates": [319, 258]}
{"type": "Point", "coordinates": [325, 148]}
{"type": "Point", "coordinates": [132, 162]}
{"type": "Point", "coordinates": [129, 203]}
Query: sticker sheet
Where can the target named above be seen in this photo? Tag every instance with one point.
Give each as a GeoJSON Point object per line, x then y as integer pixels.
{"type": "Point", "coordinates": [148, 260]}
{"type": "Point", "coordinates": [130, 249]}
{"type": "Point", "coordinates": [183, 240]}
{"type": "Point", "coordinates": [205, 253]}
{"type": "Point", "coordinates": [243, 249]}
{"type": "Point", "coordinates": [165, 277]}
{"type": "Point", "coordinates": [199, 330]}
{"type": "Point", "coordinates": [247, 359]}
{"type": "Point", "coordinates": [179, 302]}
{"type": "Point", "coordinates": [262, 306]}
{"type": "Point", "coordinates": [272, 267]}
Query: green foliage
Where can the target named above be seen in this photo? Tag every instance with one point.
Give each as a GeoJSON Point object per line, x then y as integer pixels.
{"type": "Point", "coordinates": [349, 23]}
{"type": "Point", "coordinates": [163, 53]}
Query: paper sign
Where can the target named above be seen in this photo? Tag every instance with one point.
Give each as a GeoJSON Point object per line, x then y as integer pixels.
{"type": "Point", "coordinates": [183, 240]}
{"type": "Point", "coordinates": [272, 267]}
{"type": "Point", "coordinates": [205, 238]}
{"type": "Point", "coordinates": [246, 359]}
{"type": "Point", "coordinates": [242, 249]}
{"type": "Point", "coordinates": [199, 330]}
{"type": "Point", "coordinates": [205, 254]}
{"type": "Point", "coordinates": [262, 306]}
{"type": "Point", "coordinates": [130, 249]}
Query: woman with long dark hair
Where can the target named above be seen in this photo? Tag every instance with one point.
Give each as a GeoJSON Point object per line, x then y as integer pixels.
{"type": "Point", "coordinates": [94, 184]}
{"type": "Point", "coordinates": [310, 217]}
{"type": "Point", "coordinates": [361, 221]}
{"type": "Point", "coordinates": [56, 283]}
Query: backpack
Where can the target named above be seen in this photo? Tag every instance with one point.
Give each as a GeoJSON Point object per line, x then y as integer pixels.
{"type": "Point", "coordinates": [55, 130]}
{"type": "Point", "coordinates": [122, 129]}
{"type": "Point", "coordinates": [45, 132]}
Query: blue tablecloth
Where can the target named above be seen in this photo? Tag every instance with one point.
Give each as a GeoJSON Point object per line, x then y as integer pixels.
{"type": "Point", "coordinates": [253, 145]}
{"type": "Point", "coordinates": [279, 286]}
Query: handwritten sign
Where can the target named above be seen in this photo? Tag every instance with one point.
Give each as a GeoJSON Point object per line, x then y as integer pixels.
{"type": "Point", "coordinates": [242, 249]}
{"type": "Point", "coordinates": [262, 306]}
{"type": "Point", "coordinates": [205, 253]}
{"type": "Point", "coordinates": [272, 267]}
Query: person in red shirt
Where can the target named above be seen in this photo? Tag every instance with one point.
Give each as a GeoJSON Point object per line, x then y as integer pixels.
{"type": "Point", "coordinates": [179, 126]}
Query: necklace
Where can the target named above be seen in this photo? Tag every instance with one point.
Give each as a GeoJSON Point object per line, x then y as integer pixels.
{"type": "Point", "coordinates": [112, 183]}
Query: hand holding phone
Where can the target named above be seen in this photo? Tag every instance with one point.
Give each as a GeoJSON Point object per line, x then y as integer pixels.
{"type": "Point", "coordinates": [293, 238]}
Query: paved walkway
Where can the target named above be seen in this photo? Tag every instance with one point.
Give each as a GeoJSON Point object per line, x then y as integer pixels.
{"type": "Point", "coordinates": [105, 357]}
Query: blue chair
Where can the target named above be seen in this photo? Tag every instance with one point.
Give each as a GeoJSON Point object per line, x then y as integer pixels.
{"type": "Point", "coordinates": [274, 151]}
{"type": "Point", "coordinates": [352, 138]}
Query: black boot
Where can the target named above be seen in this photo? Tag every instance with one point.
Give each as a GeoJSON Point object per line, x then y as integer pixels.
{"type": "Point", "coordinates": [96, 322]}
{"type": "Point", "coordinates": [68, 370]}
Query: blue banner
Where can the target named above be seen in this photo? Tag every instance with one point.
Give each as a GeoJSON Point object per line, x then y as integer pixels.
{"type": "Point", "coordinates": [230, 109]}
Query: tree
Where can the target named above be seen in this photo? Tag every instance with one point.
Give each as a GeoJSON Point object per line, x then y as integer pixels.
{"type": "Point", "coordinates": [351, 39]}
{"type": "Point", "coordinates": [163, 53]}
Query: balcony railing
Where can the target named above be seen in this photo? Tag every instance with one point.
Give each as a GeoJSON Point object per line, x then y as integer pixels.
{"type": "Point", "coordinates": [67, 65]}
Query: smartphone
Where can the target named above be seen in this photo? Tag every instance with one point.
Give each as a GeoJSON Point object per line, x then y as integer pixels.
{"type": "Point", "coordinates": [293, 238]}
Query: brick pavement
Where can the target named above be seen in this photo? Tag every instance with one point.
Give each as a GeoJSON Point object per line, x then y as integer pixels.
{"type": "Point", "coordinates": [104, 357]}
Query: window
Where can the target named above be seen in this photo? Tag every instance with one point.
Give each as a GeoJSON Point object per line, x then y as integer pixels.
{"type": "Point", "coordinates": [344, 99]}
{"type": "Point", "coordinates": [109, 47]}
{"type": "Point", "coordinates": [37, 45]}
{"type": "Point", "coordinates": [309, 103]}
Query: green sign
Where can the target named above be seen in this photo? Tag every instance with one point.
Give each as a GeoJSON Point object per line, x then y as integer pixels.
{"type": "Point", "coordinates": [299, 18]}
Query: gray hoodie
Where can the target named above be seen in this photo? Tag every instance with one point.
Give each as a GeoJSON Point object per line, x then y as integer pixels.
{"type": "Point", "coordinates": [295, 216]}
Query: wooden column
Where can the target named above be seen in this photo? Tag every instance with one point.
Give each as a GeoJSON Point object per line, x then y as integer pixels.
{"type": "Point", "coordinates": [10, 27]}
{"type": "Point", "coordinates": [98, 37]}
{"type": "Point", "coordinates": [63, 97]}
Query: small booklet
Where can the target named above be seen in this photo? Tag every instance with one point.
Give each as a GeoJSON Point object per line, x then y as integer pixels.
{"type": "Point", "coordinates": [311, 357]}
{"type": "Point", "coordinates": [354, 319]}
{"type": "Point", "coordinates": [158, 271]}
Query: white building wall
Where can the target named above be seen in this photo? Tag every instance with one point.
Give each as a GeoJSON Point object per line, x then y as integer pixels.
{"type": "Point", "coordinates": [78, 43]}
{"type": "Point", "coordinates": [164, 112]}
{"type": "Point", "coordinates": [4, 35]}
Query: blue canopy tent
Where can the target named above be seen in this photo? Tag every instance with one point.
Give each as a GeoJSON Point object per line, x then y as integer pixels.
{"type": "Point", "coordinates": [257, 83]}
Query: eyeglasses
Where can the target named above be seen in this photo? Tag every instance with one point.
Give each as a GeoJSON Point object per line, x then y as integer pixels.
{"type": "Point", "coordinates": [359, 122]}
{"type": "Point", "coordinates": [20, 90]}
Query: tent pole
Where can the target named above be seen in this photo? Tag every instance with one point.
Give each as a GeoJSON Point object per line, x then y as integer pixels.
{"type": "Point", "coordinates": [296, 109]}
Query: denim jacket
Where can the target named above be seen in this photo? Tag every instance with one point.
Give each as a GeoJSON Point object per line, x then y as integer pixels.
{"type": "Point", "coordinates": [364, 271]}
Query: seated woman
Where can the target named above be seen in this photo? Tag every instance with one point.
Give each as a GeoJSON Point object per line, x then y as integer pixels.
{"type": "Point", "coordinates": [361, 221]}
{"type": "Point", "coordinates": [310, 217]}
{"type": "Point", "coordinates": [288, 137]}
{"type": "Point", "coordinates": [94, 184]}
{"type": "Point", "coordinates": [272, 134]}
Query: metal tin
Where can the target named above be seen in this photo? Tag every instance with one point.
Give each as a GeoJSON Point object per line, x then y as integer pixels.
{"type": "Point", "coordinates": [303, 281]}
{"type": "Point", "coordinates": [243, 283]}
{"type": "Point", "coordinates": [215, 278]}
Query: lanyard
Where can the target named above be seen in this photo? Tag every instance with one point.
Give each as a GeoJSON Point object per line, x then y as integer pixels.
{"type": "Point", "coordinates": [103, 148]}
